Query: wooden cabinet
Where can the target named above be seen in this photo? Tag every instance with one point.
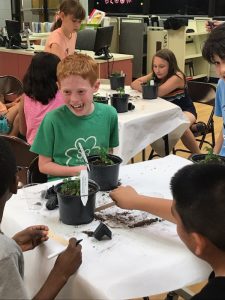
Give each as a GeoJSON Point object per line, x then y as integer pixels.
{"type": "Point", "coordinates": [186, 43]}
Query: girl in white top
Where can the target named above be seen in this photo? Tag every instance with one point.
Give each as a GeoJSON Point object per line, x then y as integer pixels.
{"type": "Point", "coordinates": [62, 39]}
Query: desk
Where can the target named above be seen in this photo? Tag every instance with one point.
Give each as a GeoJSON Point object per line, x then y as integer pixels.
{"type": "Point", "coordinates": [147, 124]}
{"type": "Point", "coordinates": [136, 262]}
{"type": "Point", "coordinates": [16, 61]}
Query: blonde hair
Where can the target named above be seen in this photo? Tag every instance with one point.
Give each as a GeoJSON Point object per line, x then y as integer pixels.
{"type": "Point", "coordinates": [78, 64]}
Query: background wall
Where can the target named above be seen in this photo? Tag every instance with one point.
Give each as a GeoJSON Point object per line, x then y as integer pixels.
{"type": "Point", "coordinates": [5, 11]}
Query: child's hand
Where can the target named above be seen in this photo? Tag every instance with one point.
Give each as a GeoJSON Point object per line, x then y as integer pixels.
{"type": "Point", "coordinates": [125, 197]}
{"type": "Point", "coordinates": [69, 261]}
{"type": "Point", "coordinates": [31, 237]}
{"type": "Point", "coordinates": [210, 25]}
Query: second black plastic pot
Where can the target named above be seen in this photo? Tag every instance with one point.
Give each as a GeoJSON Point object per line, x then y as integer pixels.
{"type": "Point", "coordinates": [149, 91]}
{"type": "Point", "coordinates": [71, 209]}
{"type": "Point", "coordinates": [117, 82]}
{"type": "Point", "coordinates": [106, 176]}
{"type": "Point", "coordinates": [120, 102]}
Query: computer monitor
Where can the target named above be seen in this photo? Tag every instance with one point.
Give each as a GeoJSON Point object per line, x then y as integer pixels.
{"type": "Point", "coordinates": [103, 41]}
{"type": "Point", "coordinates": [13, 32]}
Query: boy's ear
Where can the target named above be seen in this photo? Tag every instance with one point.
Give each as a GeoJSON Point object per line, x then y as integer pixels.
{"type": "Point", "coordinates": [58, 85]}
{"type": "Point", "coordinates": [199, 243]}
{"type": "Point", "coordinates": [96, 86]}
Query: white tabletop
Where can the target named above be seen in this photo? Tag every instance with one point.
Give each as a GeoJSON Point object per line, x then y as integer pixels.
{"type": "Point", "coordinates": [136, 262]}
{"type": "Point", "coordinates": [147, 124]}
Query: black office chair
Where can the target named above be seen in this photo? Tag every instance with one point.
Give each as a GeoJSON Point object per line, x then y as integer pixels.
{"type": "Point", "coordinates": [24, 157]}
{"type": "Point", "coordinates": [86, 39]}
{"type": "Point", "coordinates": [33, 173]}
{"type": "Point", "coordinates": [204, 93]}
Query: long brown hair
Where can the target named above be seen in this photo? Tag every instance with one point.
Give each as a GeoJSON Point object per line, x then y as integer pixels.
{"type": "Point", "coordinates": [168, 56]}
{"type": "Point", "coordinates": [70, 7]}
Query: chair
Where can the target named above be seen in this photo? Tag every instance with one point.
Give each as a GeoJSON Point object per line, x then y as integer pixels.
{"type": "Point", "coordinates": [23, 156]}
{"type": "Point", "coordinates": [86, 39]}
{"type": "Point", "coordinates": [10, 87]}
{"type": "Point", "coordinates": [33, 173]}
{"type": "Point", "coordinates": [204, 93]}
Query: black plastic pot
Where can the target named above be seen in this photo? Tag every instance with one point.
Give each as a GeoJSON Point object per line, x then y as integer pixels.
{"type": "Point", "coordinates": [149, 91]}
{"type": "Point", "coordinates": [199, 158]}
{"type": "Point", "coordinates": [100, 99]}
{"type": "Point", "coordinates": [120, 102]}
{"type": "Point", "coordinates": [117, 82]}
{"type": "Point", "coordinates": [106, 176]}
{"type": "Point", "coordinates": [71, 209]}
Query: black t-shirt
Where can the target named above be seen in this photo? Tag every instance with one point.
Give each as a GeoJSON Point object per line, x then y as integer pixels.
{"type": "Point", "coordinates": [214, 290]}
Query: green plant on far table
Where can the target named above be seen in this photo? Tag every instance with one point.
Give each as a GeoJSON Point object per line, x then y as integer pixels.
{"type": "Point", "coordinates": [211, 157]}
{"type": "Point", "coordinates": [117, 74]}
{"type": "Point", "coordinates": [120, 91]}
{"type": "Point", "coordinates": [71, 187]}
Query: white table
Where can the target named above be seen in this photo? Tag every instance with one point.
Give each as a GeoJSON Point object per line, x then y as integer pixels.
{"type": "Point", "coordinates": [136, 262]}
{"type": "Point", "coordinates": [147, 124]}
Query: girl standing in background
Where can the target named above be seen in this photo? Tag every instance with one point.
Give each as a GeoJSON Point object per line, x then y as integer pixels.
{"type": "Point", "coordinates": [62, 39]}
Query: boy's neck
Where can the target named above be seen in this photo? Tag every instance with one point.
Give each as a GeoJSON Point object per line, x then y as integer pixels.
{"type": "Point", "coordinates": [66, 33]}
{"type": "Point", "coordinates": [217, 262]}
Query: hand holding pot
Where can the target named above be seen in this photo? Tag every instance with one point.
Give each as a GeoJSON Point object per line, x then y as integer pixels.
{"type": "Point", "coordinates": [125, 197]}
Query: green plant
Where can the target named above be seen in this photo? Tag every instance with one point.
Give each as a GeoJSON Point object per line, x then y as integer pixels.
{"type": "Point", "coordinates": [117, 74]}
{"type": "Point", "coordinates": [211, 157]}
{"type": "Point", "coordinates": [120, 91]}
{"type": "Point", "coordinates": [103, 157]}
{"type": "Point", "coordinates": [71, 187]}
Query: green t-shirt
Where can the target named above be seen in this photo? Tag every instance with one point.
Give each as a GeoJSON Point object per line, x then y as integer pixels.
{"type": "Point", "coordinates": [61, 131]}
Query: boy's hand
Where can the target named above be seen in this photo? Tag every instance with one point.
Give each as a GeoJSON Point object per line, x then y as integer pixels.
{"type": "Point", "coordinates": [31, 237]}
{"type": "Point", "coordinates": [125, 197]}
{"type": "Point", "coordinates": [69, 261]}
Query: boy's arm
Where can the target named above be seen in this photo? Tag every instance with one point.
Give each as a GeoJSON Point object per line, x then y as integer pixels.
{"type": "Point", "coordinates": [127, 198]}
{"type": "Point", "coordinates": [66, 264]}
{"type": "Point", "coordinates": [219, 143]}
{"type": "Point", "coordinates": [47, 166]}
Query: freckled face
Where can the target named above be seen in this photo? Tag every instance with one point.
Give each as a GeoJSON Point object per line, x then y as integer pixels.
{"type": "Point", "coordinates": [160, 67]}
{"type": "Point", "coordinates": [219, 66]}
{"type": "Point", "coordinates": [78, 94]}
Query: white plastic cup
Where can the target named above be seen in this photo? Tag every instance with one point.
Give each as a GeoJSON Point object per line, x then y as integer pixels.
{"type": "Point", "coordinates": [34, 194]}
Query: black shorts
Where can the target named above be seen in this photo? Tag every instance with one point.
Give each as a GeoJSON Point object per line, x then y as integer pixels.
{"type": "Point", "coordinates": [186, 104]}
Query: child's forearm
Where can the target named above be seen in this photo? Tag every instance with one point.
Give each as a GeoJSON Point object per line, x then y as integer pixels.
{"type": "Point", "coordinates": [54, 169]}
{"type": "Point", "coordinates": [156, 206]}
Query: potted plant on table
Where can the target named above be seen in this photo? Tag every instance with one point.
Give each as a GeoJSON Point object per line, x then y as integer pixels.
{"type": "Point", "coordinates": [120, 100]}
{"type": "Point", "coordinates": [71, 208]}
{"type": "Point", "coordinates": [100, 99]}
{"type": "Point", "coordinates": [149, 90]}
{"type": "Point", "coordinates": [117, 80]}
{"type": "Point", "coordinates": [104, 169]}
{"type": "Point", "coordinates": [209, 157]}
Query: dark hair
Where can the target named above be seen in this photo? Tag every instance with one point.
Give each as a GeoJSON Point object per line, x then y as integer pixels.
{"type": "Point", "coordinates": [39, 82]}
{"type": "Point", "coordinates": [215, 44]}
{"type": "Point", "coordinates": [7, 166]}
{"type": "Point", "coordinates": [168, 56]}
{"type": "Point", "coordinates": [70, 7]}
{"type": "Point", "coordinates": [199, 194]}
